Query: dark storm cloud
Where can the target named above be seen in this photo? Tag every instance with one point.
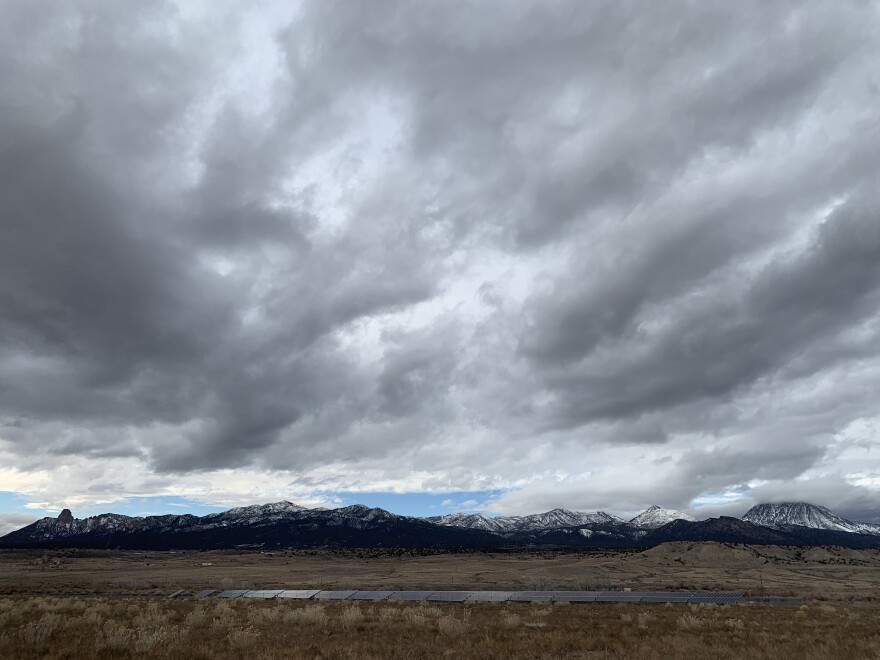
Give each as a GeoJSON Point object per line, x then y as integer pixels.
{"type": "Point", "coordinates": [565, 110]}
{"type": "Point", "coordinates": [109, 313]}
{"type": "Point", "coordinates": [720, 344]}
{"type": "Point", "coordinates": [471, 241]}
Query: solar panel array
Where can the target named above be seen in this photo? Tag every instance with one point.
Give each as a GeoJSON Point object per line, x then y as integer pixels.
{"type": "Point", "coordinates": [263, 593]}
{"type": "Point", "coordinates": [334, 595]}
{"type": "Point", "coordinates": [298, 594]}
{"type": "Point", "coordinates": [410, 595]}
{"type": "Point", "coordinates": [723, 598]}
{"type": "Point", "coordinates": [371, 595]}
{"type": "Point", "coordinates": [531, 596]}
{"type": "Point", "coordinates": [450, 596]}
{"type": "Point", "coordinates": [491, 596]}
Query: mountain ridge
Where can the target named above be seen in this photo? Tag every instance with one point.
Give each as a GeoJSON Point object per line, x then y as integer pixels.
{"type": "Point", "coordinates": [804, 514]}
{"type": "Point", "coordinates": [553, 519]}
{"type": "Point", "coordinates": [287, 524]}
{"type": "Point", "coordinates": [656, 516]}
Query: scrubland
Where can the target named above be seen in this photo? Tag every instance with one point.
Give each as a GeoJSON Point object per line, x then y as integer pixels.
{"type": "Point", "coordinates": [813, 573]}
{"type": "Point", "coordinates": [109, 604]}
{"type": "Point", "coordinates": [71, 628]}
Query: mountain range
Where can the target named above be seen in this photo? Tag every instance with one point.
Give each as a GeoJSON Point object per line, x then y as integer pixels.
{"type": "Point", "coordinates": [283, 524]}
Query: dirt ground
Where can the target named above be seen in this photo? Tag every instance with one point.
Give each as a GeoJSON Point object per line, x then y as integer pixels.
{"type": "Point", "coordinates": [825, 573]}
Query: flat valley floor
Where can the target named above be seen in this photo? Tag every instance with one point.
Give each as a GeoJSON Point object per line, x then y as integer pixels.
{"type": "Point", "coordinates": [110, 604]}
{"type": "Point", "coordinates": [822, 572]}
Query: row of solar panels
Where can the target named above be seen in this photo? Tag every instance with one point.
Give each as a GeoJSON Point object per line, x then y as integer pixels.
{"type": "Point", "coordinates": [497, 596]}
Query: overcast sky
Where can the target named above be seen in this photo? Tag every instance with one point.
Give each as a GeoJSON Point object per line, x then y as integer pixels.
{"type": "Point", "coordinates": [502, 256]}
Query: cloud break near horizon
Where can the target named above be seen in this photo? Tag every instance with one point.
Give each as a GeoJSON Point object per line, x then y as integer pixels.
{"type": "Point", "coordinates": [499, 256]}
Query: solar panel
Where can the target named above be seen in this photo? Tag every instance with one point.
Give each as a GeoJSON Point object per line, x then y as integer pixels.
{"type": "Point", "coordinates": [264, 593]}
{"type": "Point", "coordinates": [532, 596]}
{"type": "Point", "coordinates": [728, 598]}
{"type": "Point", "coordinates": [620, 597]}
{"type": "Point", "coordinates": [300, 594]}
{"type": "Point", "coordinates": [334, 595]}
{"type": "Point", "coordinates": [176, 593]}
{"type": "Point", "coordinates": [701, 597]}
{"type": "Point", "coordinates": [575, 596]}
{"type": "Point", "coordinates": [370, 595]}
{"type": "Point", "coordinates": [720, 597]}
{"type": "Point", "coordinates": [491, 596]}
{"type": "Point", "coordinates": [707, 598]}
{"type": "Point", "coordinates": [450, 596]}
{"type": "Point", "coordinates": [657, 597]}
{"type": "Point", "coordinates": [410, 595]}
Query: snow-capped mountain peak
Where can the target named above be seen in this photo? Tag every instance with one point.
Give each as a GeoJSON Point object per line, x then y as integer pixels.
{"type": "Point", "coordinates": [803, 514]}
{"type": "Point", "coordinates": [253, 514]}
{"type": "Point", "coordinates": [554, 519]}
{"type": "Point", "coordinates": [365, 513]}
{"type": "Point", "coordinates": [470, 521]}
{"type": "Point", "coordinates": [566, 518]}
{"type": "Point", "coordinates": [656, 516]}
{"type": "Point", "coordinates": [285, 524]}
{"type": "Point", "coordinates": [264, 509]}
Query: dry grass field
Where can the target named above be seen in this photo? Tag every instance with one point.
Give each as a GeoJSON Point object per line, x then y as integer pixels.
{"type": "Point", "coordinates": [72, 628]}
{"type": "Point", "coordinates": [106, 604]}
{"type": "Point", "coordinates": [825, 573]}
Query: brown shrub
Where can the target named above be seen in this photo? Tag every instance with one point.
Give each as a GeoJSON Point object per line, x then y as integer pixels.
{"type": "Point", "coordinates": [76, 629]}
{"type": "Point", "coordinates": [351, 617]}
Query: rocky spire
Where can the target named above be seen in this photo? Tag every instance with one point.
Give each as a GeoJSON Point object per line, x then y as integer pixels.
{"type": "Point", "coordinates": [65, 517]}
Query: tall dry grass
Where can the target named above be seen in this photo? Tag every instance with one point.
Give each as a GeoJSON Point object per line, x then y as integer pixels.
{"type": "Point", "coordinates": [32, 627]}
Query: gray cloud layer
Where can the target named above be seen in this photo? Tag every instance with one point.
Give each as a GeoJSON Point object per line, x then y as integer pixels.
{"type": "Point", "coordinates": [539, 246]}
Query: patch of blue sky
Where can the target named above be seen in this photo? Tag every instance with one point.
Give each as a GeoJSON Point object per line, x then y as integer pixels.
{"type": "Point", "coordinates": [421, 504]}
{"type": "Point", "coordinates": [405, 504]}
{"type": "Point", "coordinates": [719, 498]}
{"type": "Point", "coordinates": [12, 502]}
{"type": "Point", "coordinates": [156, 505]}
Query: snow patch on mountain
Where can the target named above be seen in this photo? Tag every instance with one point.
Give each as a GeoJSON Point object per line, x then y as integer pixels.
{"type": "Point", "coordinates": [66, 526]}
{"type": "Point", "coordinates": [804, 523]}
{"type": "Point", "coordinates": [803, 514]}
{"type": "Point", "coordinates": [254, 514]}
{"type": "Point", "coordinates": [656, 516]}
{"type": "Point", "coordinates": [555, 519]}
{"type": "Point", "coordinates": [359, 515]}
{"type": "Point", "coordinates": [265, 509]}
{"type": "Point", "coordinates": [470, 521]}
